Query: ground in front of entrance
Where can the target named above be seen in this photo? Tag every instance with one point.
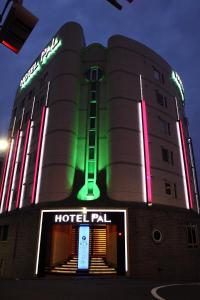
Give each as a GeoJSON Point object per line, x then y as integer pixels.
{"type": "Point", "coordinates": [74, 288]}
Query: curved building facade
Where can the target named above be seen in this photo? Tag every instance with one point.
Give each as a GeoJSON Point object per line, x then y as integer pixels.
{"type": "Point", "coordinates": [100, 166]}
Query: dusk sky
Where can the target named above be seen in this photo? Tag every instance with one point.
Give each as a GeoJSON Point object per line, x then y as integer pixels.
{"type": "Point", "coordinates": [169, 27]}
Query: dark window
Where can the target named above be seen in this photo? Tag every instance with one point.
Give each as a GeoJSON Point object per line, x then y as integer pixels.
{"type": "Point", "coordinates": [175, 191]}
{"type": "Point", "coordinates": [168, 188]}
{"type": "Point", "coordinates": [92, 123]}
{"type": "Point", "coordinates": [3, 233]}
{"type": "Point", "coordinates": [156, 74]}
{"type": "Point", "coordinates": [91, 153]}
{"type": "Point", "coordinates": [94, 74]}
{"type": "Point", "coordinates": [161, 100]}
{"type": "Point", "coordinates": [172, 157]}
{"type": "Point", "coordinates": [164, 126]}
{"type": "Point", "coordinates": [93, 95]}
{"type": "Point", "coordinates": [192, 235]}
{"type": "Point", "coordinates": [91, 138]}
{"type": "Point", "coordinates": [165, 154]}
{"type": "Point", "coordinates": [92, 109]}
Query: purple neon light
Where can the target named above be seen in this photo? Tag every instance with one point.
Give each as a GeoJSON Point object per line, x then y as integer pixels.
{"type": "Point", "coordinates": [147, 155]}
{"type": "Point", "coordinates": [23, 164]}
{"type": "Point", "coordinates": [12, 170]}
{"type": "Point", "coordinates": [186, 164]}
{"type": "Point", "coordinates": [35, 179]}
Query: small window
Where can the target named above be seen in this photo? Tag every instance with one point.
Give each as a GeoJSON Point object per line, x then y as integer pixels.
{"type": "Point", "coordinates": [3, 233]}
{"type": "Point", "coordinates": [165, 154]}
{"type": "Point", "coordinates": [92, 123]}
{"type": "Point", "coordinates": [94, 74]}
{"type": "Point", "coordinates": [91, 138]}
{"type": "Point", "coordinates": [156, 74]}
{"type": "Point", "coordinates": [168, 190]}
{"type": "Point", "coordinates": [175, 191]}
{"type": "Point", "coordinates": [164, 126]}
{"type": "Point", "coordinates": [161, 100]}
{"type": "Point", "coordinates": [92, 109]}
{"type": "Point", "coordinates": [157, 236]}
{"type": "Point", "coordinates": [192, 235]}
{"type": "Point", "coordinates": [91, 153]}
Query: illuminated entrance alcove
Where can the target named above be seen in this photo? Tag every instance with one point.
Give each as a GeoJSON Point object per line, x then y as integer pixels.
{"type": "Point", "coordinates": [79, 242]}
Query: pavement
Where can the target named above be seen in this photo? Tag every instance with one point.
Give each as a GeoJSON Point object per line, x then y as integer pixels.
{"type": "Point", "coordinates": [93, 288]}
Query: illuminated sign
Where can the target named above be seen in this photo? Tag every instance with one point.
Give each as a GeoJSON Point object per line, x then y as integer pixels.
{"type": "Point", "coordinates": [46, 54]}
{"type": "Point", "coordinates": [83, 247]}
{"type": "Point", "coordinates": [177, 80]}
{"type": "Point", "coordinates": [82, 218]}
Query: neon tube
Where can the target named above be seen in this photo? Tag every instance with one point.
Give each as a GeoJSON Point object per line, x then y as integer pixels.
{"type": "Point", "coordinates": [35, 179]}
{"type": "Point", "coordinates": [194, 173]}
{"type": "Point", "coordinates": [182, 165]}
{"type": "Point", "coordinates": [26, 165]}
{"type": "Point", "coordinates": [6, 177]}
{"type": "Point", "coordinates": [15, 172]}
{"type": "Point", "coordinates": [23, 163]}
{"type": "Point", "coordinates": [142, 153]}
{"type": "Point", "coordinates": [12, 170]}
{"type": "Point", "coordinates": [42, 155]}
{"type": "Point", "coordinates": [146, 151]}
{"type": "Point", "coordinates": [4, 174]}
{"type": "Point", "coordinates": [186, 164]}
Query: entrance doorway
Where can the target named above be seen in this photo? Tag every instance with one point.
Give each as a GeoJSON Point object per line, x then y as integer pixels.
{"type": "Point", "coordinates": [65, 253]}
{"type": "Point", "coordinates": [75, 242]}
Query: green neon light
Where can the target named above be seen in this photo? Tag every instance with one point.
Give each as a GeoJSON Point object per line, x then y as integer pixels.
{"type": "Point", "coordinates": [90, 190]}
{"type": "Point", "coordinates": [177, 80]}
{"type": "Point", "coordinates": [46, 54]}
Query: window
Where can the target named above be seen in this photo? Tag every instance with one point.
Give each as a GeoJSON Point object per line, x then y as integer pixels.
{"type": "Point", "coordinates": [161, 100]}
{"type": "Point", "coordinates": [167, 156]}
{"type": "Point", "coordinates": [158, 75]}
{"type": "Point", "coordinates": [164, 126]}
{"type": "Point", "coordinates": [94, 74]}
{"type": "Point", "coordinates": [3, 232]}
{"type": "Point", "coordinates": [192, 235]}
{"type": "Point", "coordinates": [170, 189]}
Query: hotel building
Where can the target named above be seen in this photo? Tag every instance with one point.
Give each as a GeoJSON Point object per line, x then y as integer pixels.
{"type": "Point", "coordinates": [99, 177]}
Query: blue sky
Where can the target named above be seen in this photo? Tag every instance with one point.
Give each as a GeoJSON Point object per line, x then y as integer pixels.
{"type": "Point", "coordinates": [170, 27]}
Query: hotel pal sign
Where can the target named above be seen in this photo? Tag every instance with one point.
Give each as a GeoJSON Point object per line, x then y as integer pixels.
{"type": "Point", "coordinates": [44, 57]}
{"type": "Point", "coordinates": [90, 217]}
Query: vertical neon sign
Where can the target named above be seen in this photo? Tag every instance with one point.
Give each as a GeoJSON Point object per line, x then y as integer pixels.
{"type": "Point", "coordinates": [186, 164]}
{"type": "Point", "coordinates": [146, 146]}
{"type": "Point", "coordinates": [83, 247]}
{"type": "Point", "coordinates": [12, 169]}
{"type": "Point", "coordinates": [23, 163]}
{"type": "Point", "coordinates": [40, 151]}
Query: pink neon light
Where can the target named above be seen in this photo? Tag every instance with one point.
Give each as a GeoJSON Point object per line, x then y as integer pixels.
{"type": "Point", "coordinates": [23, 164]}
{"type": "Point", "coordinates": [12, 170]}
{"type": "Point", "coordinates": [146, 150]}
{"type": "Point", "coordinates": [4, 174]}
{"type": "Point", "coordinates": [186, 164]}
{"type": "Point", "coordinates": [38, 156]}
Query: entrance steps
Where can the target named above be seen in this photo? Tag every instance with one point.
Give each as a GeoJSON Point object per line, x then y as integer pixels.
{"type": "Point", "coordinates": [98, 266]}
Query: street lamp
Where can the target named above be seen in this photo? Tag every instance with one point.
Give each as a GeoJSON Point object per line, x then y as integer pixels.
{"type": "Point", "coordinates": [3, 145]}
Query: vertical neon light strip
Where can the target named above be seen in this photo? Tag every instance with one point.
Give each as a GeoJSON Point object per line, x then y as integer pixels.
{"type": "Point", "coordinates": [146, 146]}
{"type": "Point", "coordinates": [42, 155]}
{"type": "Point", "coordinates": [12, 169]}
{"type": "Point", "coordinates": [90, 190]}
{"type": "Point", "coordinates": [142, 153]}
{"type": "Point", "coordinates": [182, 165]}
{"type": "Point", "coordinates": [23, 163]}
{"type": "Point", "coordinates": [186, 164]}
{"type": "Point", "coordinates": [15, 172]}
{"type": "Point", "coordinates": [194, 173]}
{"type": "Point", "coordinates": [7, 172]}
{"type": "Point", "coordinates": [26, 166]}
{"type": "Point", "coordinates": [4, 174]}
{"type": "Point", "coordinates": [35, 178]}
